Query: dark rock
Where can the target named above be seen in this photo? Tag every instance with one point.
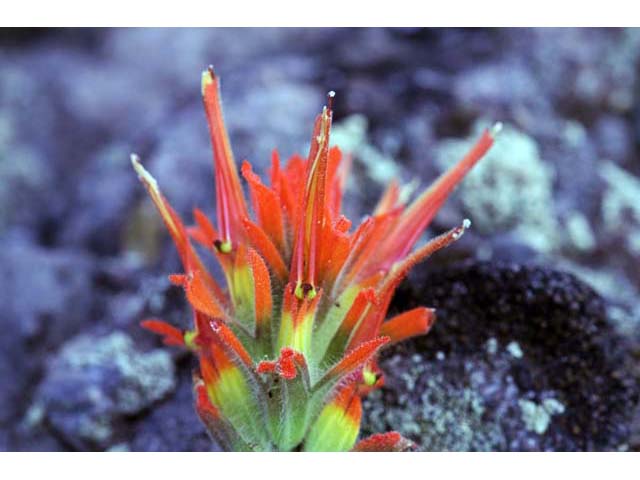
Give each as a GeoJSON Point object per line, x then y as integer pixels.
{"type": "Point", "coordinates": [614, 137]}
{"type": "Point", "coordinates": [508, 86]}
{"type": "Point", "coordinates": [173, 426]}
{"type": "Point", "coordinates": [44, 297]}
{"type": "Point", "coordinates": [521, 358]}
{"type": "Point", "coordinates": [24, 137]}
{"type": "Point", "coordinates": [44, 300]}
{"type": "Point", "coordinates": [102, 197]}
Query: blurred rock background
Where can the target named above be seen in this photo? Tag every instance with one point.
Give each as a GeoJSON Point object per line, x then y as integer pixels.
{"type": "Point", "coordinates": [537, 346]}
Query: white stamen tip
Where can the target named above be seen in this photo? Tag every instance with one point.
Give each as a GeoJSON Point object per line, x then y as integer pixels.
{"type": "Point", "coordinates": [207, 79]}
{"type": "Point", "coordinates": [331, 94]}
{"type": "Point", "coordinates": [466, 223]}
{"type": "Point", "coordinates": [143, 175]}
{"type": "Point", "coordinates": [135, 161]}
{"type": "Point", "coordinates": [496, 129]}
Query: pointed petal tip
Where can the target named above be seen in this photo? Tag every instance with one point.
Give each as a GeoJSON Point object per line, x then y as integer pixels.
{"type": "Point", "coordinates": [135, 162]}
{"type": "Point", "coordinates": [208, 77]}
{"type": "Point", "coordinates": [459, 231]}
{"type": "Point", "coordinates": [171, 335]}
{"type": "Point", "coordinates": [495, 129]}
{"type": "Point", "coordinates": [143, 174]}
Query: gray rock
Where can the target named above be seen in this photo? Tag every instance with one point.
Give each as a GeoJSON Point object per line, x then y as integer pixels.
{"type": "Point", "coordinates": [173, 426]}
{"type": "Point", "coordinates": [620, 207]}
{"type": "Point", "coordinates": [614, 137]}
{"type": "Point", "coordinates": [44, 300]}
{"type": "Point", "coordinates": [94, 384]}
{"type": "Point", "coordinates": [510, 189]}
{"type": "Point", "coordinates": [103, 194]}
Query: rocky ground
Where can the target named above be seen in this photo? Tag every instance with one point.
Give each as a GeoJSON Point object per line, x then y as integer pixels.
{"type": "Point", "coordinates": [537, 344]}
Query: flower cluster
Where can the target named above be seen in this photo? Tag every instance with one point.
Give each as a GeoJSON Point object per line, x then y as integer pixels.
{"type": "Point", "coordinates": [288, 349]}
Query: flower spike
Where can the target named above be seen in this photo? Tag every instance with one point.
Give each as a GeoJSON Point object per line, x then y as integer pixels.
{"type": "Point", "coordinates": [310, 223]}
{"type": "Point", "coordinates": [190, 260]}
{"type": "Point", "coordinates": [229, 196]}
{"type": "Point", "coordinates": [289, 348]}
{"type": "Point", "coordinates": [417, 217]}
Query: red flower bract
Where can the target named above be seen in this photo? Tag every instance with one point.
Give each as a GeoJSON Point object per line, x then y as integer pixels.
{"type": "Point", "coordinates": [288, 348]}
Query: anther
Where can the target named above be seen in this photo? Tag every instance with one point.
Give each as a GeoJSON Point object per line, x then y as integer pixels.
{"type": "Point", "coordinates": [222, 247]}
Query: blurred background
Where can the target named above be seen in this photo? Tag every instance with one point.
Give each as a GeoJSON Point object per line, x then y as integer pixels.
{"type": "Point", "coordinates": [537, 346]}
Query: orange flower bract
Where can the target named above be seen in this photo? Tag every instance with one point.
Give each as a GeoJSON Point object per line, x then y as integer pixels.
{"type": "Point", "coordinates": [288, 346]}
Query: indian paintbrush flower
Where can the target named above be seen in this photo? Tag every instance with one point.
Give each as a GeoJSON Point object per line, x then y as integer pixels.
{"type": "Point", "coordinates": [288, 349]}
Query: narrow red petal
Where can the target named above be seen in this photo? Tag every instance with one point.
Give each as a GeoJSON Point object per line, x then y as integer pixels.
{"type": "Point", "coordinates": [207, 231]}
{"type": "Point", "coordinates": [400, 269]}
{"type": "Point", "coordinates": [351, 320]}
{"type": "Point", "coordinates": [287, 185]}
{"type": "Point", "coordinates": [365, 258]}
{"type": "Point", "coordinates": [201, 298]}
{"type": "Point", "coordinates": [207, 411]}
{"type": "Point", "coordinates": [230, 198]}
{"type": "Point", "coordinates": [332, 259]}
{"type": "Point", "coordinates": [408, 324]}
{"type": "Point", "coordinates": [370, 326]}
{"type": "Point", "coordinates": [355, 358]}
{"type": "Point", "coordinates": [214, 334]}
{"type": "Point", "coordinates": [307, 246]}
{"type": "Point", "coordinates": [336, 179]}
{"type": "Point", "coordinates": [261, 242]}
{"type": "Point", "coordinates": [226, 335]}
{"type": "Point", "coordinates": [262, 287]}
{"type": "Point", "coordinates": [389, 199]}
{"type": "Point", "coordinates": [171, 335]}
{"type": "Point", "coordinates": [169, 216]}
{"type": "Point", "coordinates": [286, 364]}
{"type": "Point", "coordinates": [266, 366]}
{"type": "Point", "coordinates": [418, 216]}
{"type": "Point", "coordinates": [266, 206]}
{"type": "Point", "coordinates": [188, 255]}
{"type": "Point", "coordinates": [178, 279]}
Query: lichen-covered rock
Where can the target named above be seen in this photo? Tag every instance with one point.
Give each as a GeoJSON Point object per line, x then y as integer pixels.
{"type": "Point", "coordinates": [351, 136]}
{"type": "Point", "coordinates": [621, 208]}
{"type": "Point", "coordinates": [370, 163]}
{"type": "Point", "coordinates": [511, 189]}
{"type": "Point", "coordinates": [520, 358]}
{"type": "Point", "coordinates": [94, 384]}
